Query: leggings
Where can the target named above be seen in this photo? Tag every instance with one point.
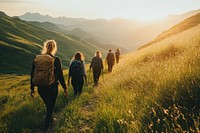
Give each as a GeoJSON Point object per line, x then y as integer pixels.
{"type": "Point", "coordinates": [117, 59]}
{"type": "Point", "coordinates": [96, 75]}
{"type": "Point", "coordinates": [48, 95]}
{"type": "Point", "coordinates": [77, 84]}
{"type": "Point", "coordinates": [110, 66]}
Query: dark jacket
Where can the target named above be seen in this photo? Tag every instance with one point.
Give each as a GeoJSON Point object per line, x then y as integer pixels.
{"type": "Point", "coordinates": [96, 63]}
{"type": "Point", "coordinates": [110, 58]}
{"type": "Point", "coordinates": [117, 54]}
{"type": "Point", "coordinates": [58, 74]}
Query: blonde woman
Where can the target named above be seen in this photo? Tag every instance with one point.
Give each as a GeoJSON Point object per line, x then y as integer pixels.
{"type": "Point", "coordinates": [77, 73]}
{"type": "Point", "coordinates": [97, 67]}
{"type": "Point", "coordinates": [45, 74]}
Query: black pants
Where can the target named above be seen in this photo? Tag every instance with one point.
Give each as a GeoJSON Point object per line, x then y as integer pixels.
{"type": "Point", "coordinates": [49, 96]}
{"type": "Point", "coordinates": [110, 66]}
{"type": "Point", "coordinates": [117, 59]}
{"type": "Point", "coordinates": [96, 75]}
{"type": "Point", "coordinates": [77, 84]}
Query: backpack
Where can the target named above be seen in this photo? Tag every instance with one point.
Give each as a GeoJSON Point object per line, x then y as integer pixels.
{"type": "Point", "coordinates": [76, 69]}
{"type": "Point", "coordinates": [43, 74]}
{"type": "Point", "coordinates": [97, 63]}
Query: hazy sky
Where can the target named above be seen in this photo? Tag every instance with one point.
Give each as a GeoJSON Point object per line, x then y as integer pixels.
{"type": "Point", "coordinates": [137, 9]}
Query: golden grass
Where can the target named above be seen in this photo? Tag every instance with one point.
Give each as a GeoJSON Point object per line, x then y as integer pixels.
{"type": "Point", "coordinates": [149, 83]}
{"type": "Point", "coordinates": [154, 89]}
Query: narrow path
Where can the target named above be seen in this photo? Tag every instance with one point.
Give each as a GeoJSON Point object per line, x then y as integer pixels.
{"type": "Point", "coordinates": [82, 121]}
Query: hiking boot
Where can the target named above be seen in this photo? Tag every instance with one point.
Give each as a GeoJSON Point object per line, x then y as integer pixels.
{"type": "Point", "coordinates": [95, 84]}
{"type": "Point", "coordinates": [53, 120]}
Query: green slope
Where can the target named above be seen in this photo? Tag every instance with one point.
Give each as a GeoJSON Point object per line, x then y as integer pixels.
{"type": "Point", "coordinates": [77, 33]}
{"type": "Point", "coordinates": [184, 25]}
{"type": "Point", "coordinates": [20, 41]}
{"type": "Point", "coordinates": [155, 89]}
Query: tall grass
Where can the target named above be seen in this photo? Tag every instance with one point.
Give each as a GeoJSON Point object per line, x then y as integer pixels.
{"type": "Point", "coordinates": [21, 41]}
{"type": "Point", "coordinates": [18, 111]}
{"type": "Point", "coordinates": [156, 89]}
{"type": "Point", "coordinates": [21, 113]}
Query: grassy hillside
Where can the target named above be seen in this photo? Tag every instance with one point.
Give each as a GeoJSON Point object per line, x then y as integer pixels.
{"type": "Point", "coordinates": [76, 33]}
{"type": "Point", "coordinates": [154, 89]}
{"type": "Point", "coordinates": [20, 41]}
{"type": "Point", "coordinates": [58, 28]}
{"type": "Point", "coordinates": [184, 25]}
{"type": "Point", "coordinates": [126, 33]}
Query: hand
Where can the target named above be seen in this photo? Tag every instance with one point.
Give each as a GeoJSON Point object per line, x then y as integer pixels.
{"type": "Point", "coordinates": [66, 92]}
{"type": "Point", "coordinates": [32, 93]}
{"type": "Point", "coordinates": [68, 83]}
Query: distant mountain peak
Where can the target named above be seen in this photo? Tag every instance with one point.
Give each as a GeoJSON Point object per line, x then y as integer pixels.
{"type": "Point", "coordinates": [77, 29]}
{"type": "Point", "coordinates": [36, 13]}
{"type": "Point", "coordinates": [36, 17]}
{"type": "Point", "coordinates": [180, 27]}
{"type": "Point", "coordinates": [29, 13]}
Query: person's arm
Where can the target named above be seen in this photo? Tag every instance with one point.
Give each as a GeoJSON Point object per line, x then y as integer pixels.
{"type": "Point", "coordinates": [84, 73]}
{"type": "Point", "coordinates": [60, 76]}
{"type": "Point", "coordinates": [69, 74]}
{"type": "Point", "coordinates": [101, 64]}
{"type": "Point", "coordinates": [91, 64]}
{"type": "Point", "coordinates": [85, 77]}
{"type": "Point", "coordinates": [68, 80]}
{"type": "Point", "coordinates": [113, 58]}
{"type": "Point", "coordinates": [31, 80]}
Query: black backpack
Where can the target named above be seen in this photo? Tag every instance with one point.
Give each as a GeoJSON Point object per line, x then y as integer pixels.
{"type": "Point", "coordinates": [97, 63]}
{"type": "Point", "coordinates": [76, 69]}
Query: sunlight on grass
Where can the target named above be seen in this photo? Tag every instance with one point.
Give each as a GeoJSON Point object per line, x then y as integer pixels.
{"type": "Point", "coordinates": [156, 89]}
{"type": "Point", "coordinates": [159, 85]}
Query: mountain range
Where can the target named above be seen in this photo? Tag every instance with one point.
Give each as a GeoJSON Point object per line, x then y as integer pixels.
{"type": "Point", "coordinates": [150, 32]}
{"type": "Point", "coordinates": [20, 41]}
{"type": "Point", "coordinates": [153, 89]}
{"type": "Point", "coordinates": [126, 33]}
{"type": "Point", "coordinates": [180, 27]}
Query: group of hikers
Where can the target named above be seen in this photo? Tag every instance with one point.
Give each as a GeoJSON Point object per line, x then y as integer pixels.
{"type": "Point", "coordinates": [47, 72]}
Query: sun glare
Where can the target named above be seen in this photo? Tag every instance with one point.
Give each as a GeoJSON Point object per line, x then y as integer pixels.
{"type": "Point", "coordinates": [146, 10]}
{"type": "Point", "coordinates": [147, 17]}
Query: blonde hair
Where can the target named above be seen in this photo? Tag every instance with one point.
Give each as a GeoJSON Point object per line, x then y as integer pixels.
{"type": "Point", "coordinates": [98, 53]}
{"type": "Point", "coordinates": [79, 56]}
{"type": "Point", "coordinates": [50, 47]}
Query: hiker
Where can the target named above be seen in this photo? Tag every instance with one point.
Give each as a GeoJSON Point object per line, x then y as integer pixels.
{"type": "Point", "coordinates": [117, 54]}
{"type": "Point", "coordinates": [77, 73]}
{"type": "Point", "coordinates": [97, 67]}
{"type": "Point", "coordinates": [45, 74]}
{"type": "Point", "coordinates": [110, 59]}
